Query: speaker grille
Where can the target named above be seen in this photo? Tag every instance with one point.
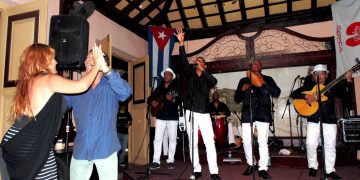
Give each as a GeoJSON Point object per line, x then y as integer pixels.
{"type": "Point", "coordinates": [69, 36]}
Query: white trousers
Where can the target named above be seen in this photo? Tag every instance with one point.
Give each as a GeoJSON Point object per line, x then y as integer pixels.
{"type": "Point", "coordinates": [313, 140]}
{"type": "Point", "coordinates": [165, 143]}
{"type": "Point", "coordinates": [263, 134]}
{"type": "Point", "coordinates": [231, 136]}
{"type": "Point", "coordinates": [171, 127]}
{"type": "Point", "coordinates": [202, 122]}
{"type": "Point", "coordinates": [107, 168]}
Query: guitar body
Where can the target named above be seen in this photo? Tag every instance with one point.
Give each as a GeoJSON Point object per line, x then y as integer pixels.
{"type": "Point", "coordinates": [154, 109]}
{"type": "Point", "coordinates": [160, 100]}
{"type": "Point", "coordinates": [306, 109]}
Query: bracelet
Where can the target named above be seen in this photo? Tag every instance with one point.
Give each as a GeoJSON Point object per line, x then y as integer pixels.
{"type": "Point", "coordinates": [107, 72]}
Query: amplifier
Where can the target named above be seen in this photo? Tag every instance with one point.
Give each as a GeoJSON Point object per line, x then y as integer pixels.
{"type": "Point", "coordinates": [350, 129]}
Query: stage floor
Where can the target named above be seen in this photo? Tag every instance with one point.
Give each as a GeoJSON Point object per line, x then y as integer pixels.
{"type": "Point", "coordinates": [231, 172]}
{"type": "Point", "coordinates": [291, 167]}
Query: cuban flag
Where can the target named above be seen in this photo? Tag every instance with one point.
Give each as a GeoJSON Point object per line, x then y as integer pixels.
{"type": "Point", "coordinates": [161, 45]}
{"type": "Point", "coordinates": [346, 15]}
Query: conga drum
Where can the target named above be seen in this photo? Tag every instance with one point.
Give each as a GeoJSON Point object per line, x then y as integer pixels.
{"type": "Point", "coordinates": [220, 130]}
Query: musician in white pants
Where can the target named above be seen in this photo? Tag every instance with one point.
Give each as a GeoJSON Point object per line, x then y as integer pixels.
{"type": "Point", "coordinates": [197, 104]}
{"type": "Point", "coordinates": [256, 99]}
{"type": "Point", "coordinates": [165, 98]}
{"type": "Point", "coordinates": [327, 117]}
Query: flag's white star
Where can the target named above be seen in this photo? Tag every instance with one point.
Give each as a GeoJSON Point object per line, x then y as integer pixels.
{"type": "Point", "coordinates": [162, 35]}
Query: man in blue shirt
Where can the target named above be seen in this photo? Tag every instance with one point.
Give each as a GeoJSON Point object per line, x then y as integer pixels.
{"type": "Point", "coordinates": [95, 118]}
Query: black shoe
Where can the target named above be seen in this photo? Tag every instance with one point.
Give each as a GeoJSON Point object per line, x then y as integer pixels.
{"type": "Point", "coordinates": [170, 165]}
{"type": "Point", "coordinates": [196, 175]}
{"type": "Point", "coordinates": [154, 165]}
{"type": "Point", "coordinates": [312, 172]}
{"type": "Point", "coordinates": [264, 174]}
{"type": "Point", "coordinates": [333, 175]}
{"type": "Point", "coordinates": [249, 170]}
{"type": "Point", "coordinates": [215, 177]}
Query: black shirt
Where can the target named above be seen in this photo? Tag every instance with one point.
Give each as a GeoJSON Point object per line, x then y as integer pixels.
{"type": "Point", "coordinates": [260, 101]}
{"type": "Point", "coordinates": [123, 121]}
{"type": "Point", "coordinates": [169, 109]}
{"type": "Point", "coordinates": [198, 87]}
{"type": "Point", "coordinates": [222, 107]}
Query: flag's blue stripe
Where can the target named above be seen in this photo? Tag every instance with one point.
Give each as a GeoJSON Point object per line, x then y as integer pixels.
{"type": "Point", "coordinates": [160, 66]}
{"type": "Point", "coordinates": [171, 48]}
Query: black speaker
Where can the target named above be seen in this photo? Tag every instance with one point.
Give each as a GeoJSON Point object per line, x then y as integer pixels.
{"type": "Point", "coordinates": [69, 36]}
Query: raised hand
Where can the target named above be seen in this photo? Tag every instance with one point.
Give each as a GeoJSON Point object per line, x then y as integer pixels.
{"type": "Point", "coordinates": [98, 56]}
{"type": "Point", "coordinates": [180, 36]}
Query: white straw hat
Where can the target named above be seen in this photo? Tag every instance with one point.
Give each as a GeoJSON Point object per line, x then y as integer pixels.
{"type": "Point", "coordinates": [168, 70]}
{"type": "Point", "coordinates": [320, 67]}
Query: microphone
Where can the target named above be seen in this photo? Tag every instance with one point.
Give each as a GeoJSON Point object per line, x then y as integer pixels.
{"type": "Point", "coordinates": [297, 77]}
{"type": "Point", "coordinates": [182, 126]}
{"type": "Point", "coordinates": [155, 77]}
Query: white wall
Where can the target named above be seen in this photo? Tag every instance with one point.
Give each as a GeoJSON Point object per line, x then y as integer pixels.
{"type": "Point", "coordinates": [122, 39]}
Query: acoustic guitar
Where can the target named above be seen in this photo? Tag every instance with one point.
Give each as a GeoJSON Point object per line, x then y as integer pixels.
{"type": "Point", "coordinates": [160, 100]}
{"type": "Point", "coordinates": [308, 109]}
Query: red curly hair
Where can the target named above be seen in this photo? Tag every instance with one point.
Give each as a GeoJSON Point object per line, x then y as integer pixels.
{"type": "Point", "coordinates": [35, 60]}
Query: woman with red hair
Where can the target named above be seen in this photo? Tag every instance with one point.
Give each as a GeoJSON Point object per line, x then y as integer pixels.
{"type": "Point", "coordinates": [37, 111]}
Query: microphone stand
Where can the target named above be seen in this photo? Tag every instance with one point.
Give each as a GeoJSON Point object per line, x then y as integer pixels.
{"type": "Point", "coordinates": [191, 118]}
{"type": "Point", "coordinates": [288, 106]}
{"type": "Point", "coordinates": [252, 125]}
{"type": "Point", "coordinates": [299, 120]}
{"type": "Point", "coordinates": [273, 125]}
{"type": "Point", "coordinates": [148, 116]}
{"type": "Point", "coordinates": [323, 175]}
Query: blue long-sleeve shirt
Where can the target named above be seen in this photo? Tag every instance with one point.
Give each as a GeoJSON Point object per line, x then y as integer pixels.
{"type": "Point", "coordinates": [95, 117]}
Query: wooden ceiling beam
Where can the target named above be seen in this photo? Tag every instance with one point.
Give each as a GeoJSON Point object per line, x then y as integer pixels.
{"type": "Point", "coordinates": [145, 12]}
{"type": "Point", "coordinates": [182, 13]}
{"type": "Point", "coordinates": [313, 4]}
{"type": "Point", "coordinates": [266, 8]}
{"type": "Point", "coordinates": [162, 16]}
{"type": "Point", "coordinates": [243, 10]}
{"type": "Point", "coordinates": [221, 12]}
{"type": "Point", "coordinates": [201, 14]}
{"type": "Point", "coordinates": [131, 6]}
{"type": "Point", "coordinates": [289, 6]}
{"type": "Point", "coordinates": [113, 2]}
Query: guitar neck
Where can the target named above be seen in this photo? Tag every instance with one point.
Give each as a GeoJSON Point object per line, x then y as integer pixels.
{"type": "Point", "coordinates": [332, 83]}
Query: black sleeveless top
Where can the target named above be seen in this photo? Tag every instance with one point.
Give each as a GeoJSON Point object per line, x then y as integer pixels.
{"type": "Point", "coordinates": [27, 151]}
